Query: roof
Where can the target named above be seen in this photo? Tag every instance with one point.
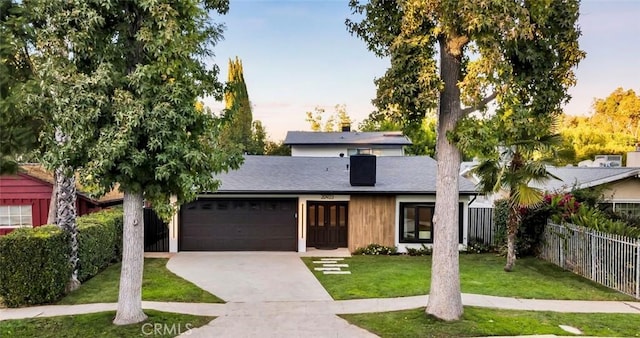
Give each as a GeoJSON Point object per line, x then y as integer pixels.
{"type": "Point", "coordinates": [585, 177]}
{"type": "Point", "coordinates": [354, 137]}
{"type": "Point", "coordinates": [38, 171]}
{"type": "Point", "coordinates": [292, 174]}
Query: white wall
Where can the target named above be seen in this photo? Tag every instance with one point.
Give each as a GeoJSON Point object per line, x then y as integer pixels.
{"type": "Point", "coordinates": [336, 150]}
{"type": "Point", "coordinates": [302, 214]}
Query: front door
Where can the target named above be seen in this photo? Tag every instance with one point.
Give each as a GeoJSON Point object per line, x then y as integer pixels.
{"type": "Point", "coordinates": [327, 224]}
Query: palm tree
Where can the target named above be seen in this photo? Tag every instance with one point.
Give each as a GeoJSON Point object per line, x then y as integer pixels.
{"type": "Point", "coordinates": [519, 159]}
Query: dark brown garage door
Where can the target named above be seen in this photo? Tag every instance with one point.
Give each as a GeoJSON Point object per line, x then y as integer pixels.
{"type": "Point", "coordinates": [239, 225]}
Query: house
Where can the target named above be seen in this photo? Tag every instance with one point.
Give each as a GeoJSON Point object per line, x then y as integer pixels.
{"type": "Point", "coordinates": [620, 185]}
{"type": "Point", "coordinates": [346, 143]}
{"type": "Point", "coordinates": [25, 198]}
{"type": "Point", "coordinates": [291, 203]}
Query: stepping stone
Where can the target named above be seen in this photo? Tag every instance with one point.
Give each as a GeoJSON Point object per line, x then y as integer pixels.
{"type": "Point", "coordinates": [323, 262]}
{"type": "Point", "coordinates": [337, 272]}
{"type": "Point", "coordinates": [327, 269]}
{"type": "Point", "coordinates": [332, 259]}
{"type": "Point", "coordinates": [337, 265]}
{"type": "Point", "coordinates": [570, 329]}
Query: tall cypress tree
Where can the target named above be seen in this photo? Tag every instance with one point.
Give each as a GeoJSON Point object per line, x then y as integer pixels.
{"type": "Point", "coordinates": [238, 130]}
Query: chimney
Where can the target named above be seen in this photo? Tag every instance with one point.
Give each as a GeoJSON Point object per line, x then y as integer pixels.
{"type": "Point", "coordinates": [346, 127]}
{"type": "Point", "coordinates": [363, 170]}
{"type": "Point", "coordinates": [633, 157]}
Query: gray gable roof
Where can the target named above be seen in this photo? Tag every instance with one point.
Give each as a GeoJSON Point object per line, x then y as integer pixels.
{"type": "Point", "coordinates": [353, 137]}
{"type": "Point", "coordinates": [291, 174]}
{"type": "Point", "coordinates": [585, 177]}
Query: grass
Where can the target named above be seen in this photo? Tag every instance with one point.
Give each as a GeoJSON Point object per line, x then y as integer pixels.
{"type": "Point", "coordinates": [99, 324]}
{"type": "Point", "coordinates": [492, 322]}
{"type": "Point", "coordinates": [158, 284]}
{"type": "Point", "coordinates": [397, 276]}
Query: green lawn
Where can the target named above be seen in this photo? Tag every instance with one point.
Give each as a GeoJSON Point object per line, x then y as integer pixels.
{"type": "Point", "coordinates": [492, 322]}
{"type": "Point", "coordinates": [159, 284]}
{"type": "Point", "coordinates": [99, 324]}
{"type": "Point", "coordinates": [396, 276]}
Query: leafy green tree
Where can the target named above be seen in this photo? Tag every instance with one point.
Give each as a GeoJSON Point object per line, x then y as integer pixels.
{"type": "Point", "coordinates": [137, 72]}
{"type": "Point", "coordinates": [277, 149]}
{"type": "Point", "coordinates": [318, 121]}
{"type": "Point", "coordinates": [19, 126]}
{"type": "Point", "coordinates": [618, 112]}
{"type": "Point", "coordinates": [422, 135]}
{"type": "Point", "coordinates": [613, 128]}
{"type": "Point", "coordinates": [487, 50]}
{"type": "Point", "coordinates": [238, 113]}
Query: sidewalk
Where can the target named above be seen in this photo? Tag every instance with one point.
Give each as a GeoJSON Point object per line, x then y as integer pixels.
{"type": "Point", "coordinates": [331, 307]}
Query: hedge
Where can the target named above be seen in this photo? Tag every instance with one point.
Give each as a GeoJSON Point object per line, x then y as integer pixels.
{"type": "Point", "coordinates": [100, 241]}
{"type": "Point", "coordinates": [34, 265]}
{"type": "Point", "coordinates": [34, 262]}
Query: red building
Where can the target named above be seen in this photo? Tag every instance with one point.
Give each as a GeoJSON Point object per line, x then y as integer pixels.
{"type": "Point", "coordinates": [25, 198]}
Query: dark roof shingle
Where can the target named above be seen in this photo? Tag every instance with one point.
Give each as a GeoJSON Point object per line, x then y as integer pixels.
{"type": "Point", "coordinates": [287, 174]}
{"type": "Point", "coordinates": [320, 138]}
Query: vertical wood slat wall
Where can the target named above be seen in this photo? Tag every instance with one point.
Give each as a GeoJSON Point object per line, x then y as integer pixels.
{"type": "Point", "coordinates": [372, 219]}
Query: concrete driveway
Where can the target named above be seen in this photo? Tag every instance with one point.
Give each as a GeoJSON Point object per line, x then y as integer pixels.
{"type": "Point", "coordinates": [250, 276]}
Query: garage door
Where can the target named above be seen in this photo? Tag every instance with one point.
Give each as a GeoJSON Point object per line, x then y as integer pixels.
{"type": "Point", "coordinates": [239, 225]}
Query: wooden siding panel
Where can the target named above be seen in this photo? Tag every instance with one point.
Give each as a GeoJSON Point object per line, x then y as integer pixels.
{"type": "Point", "coordinates": [372, 219]}
{"type": "Point", "coordinates": [24, 187]}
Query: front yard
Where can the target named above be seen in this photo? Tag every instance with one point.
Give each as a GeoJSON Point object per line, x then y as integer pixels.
{"type": "Point", "coordinates": [158, 284]}
{"type": "Point", "coordinates": [397, 276]}
{"type": "Point", "coordinates": [491, 322]}
{"type": "Point", "coordinates": [159, 324]}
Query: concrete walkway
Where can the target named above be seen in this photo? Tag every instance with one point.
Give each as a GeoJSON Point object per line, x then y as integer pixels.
{"type": "Point", "coordinates": [275, 295]}
{"type": "Point", "coordinates": [250, 276]}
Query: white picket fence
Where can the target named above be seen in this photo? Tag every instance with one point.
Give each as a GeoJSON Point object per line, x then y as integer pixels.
{"type": "Point", "coordinates": [611, 260]}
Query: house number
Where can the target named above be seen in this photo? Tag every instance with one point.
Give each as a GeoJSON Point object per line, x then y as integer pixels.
{"type": "Point", "coordinates": [326, 197]}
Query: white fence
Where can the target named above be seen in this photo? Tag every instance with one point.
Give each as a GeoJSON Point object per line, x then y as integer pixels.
{"type": "Point", "coordinates": [481, 225]}
{"type": "Point", "coordinates": [611, 260]}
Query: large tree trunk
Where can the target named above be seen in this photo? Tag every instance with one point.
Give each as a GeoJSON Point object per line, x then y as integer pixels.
{"type": "Point", "coordinates": [66, 218]}
{"type": "Point", "coordinates": [445, 299]}
{"type": "Point", "coordinates": [130, 295]}
{"type": "Point", "coordinates": [53, 203]}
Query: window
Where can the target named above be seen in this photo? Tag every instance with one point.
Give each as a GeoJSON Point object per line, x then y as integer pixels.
{"type": "Point", "coordinates": [416, 222]}
{"type": "Point", "coordinates": [359, 151]}
{"type": "Point", "coordinates": [15, 216]}
{"type": "Point", "coordinates": [630, 209]}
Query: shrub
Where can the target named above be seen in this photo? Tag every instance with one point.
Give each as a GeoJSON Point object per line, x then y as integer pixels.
{"type": "Point", "coordinates": [422, 251]}
{"type": "Point", "coordinates": [34, 265]}
{"type": "Point", "coordinates": [477, 246]}
{"type": "Point", "coordinates": [530, 230]}
{"type": "Point", "coordinates": [376, 249]}
{"type": "Point", "coordinates": [100, 241]}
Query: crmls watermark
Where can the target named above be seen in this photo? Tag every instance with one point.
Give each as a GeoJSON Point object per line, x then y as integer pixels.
{"type": "Point", "coordinates": [157, 329]}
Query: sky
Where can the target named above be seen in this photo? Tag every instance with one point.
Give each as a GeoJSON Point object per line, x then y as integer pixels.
{"type": "Point", "coordinates": [298, 55]}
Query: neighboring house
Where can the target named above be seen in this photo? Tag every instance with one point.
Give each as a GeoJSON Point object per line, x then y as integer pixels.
{"type": "Point", "coordinates": [25, 198]}
{"type": "Point", "coordinates": [620, 185]}
{"type": "Point", "coordinates": [340, 144]}
{"type": "Point", "coordinates": [282, 203]}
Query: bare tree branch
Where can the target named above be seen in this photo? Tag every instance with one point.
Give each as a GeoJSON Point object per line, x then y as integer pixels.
{"type": "Point", "coordinates": [480, 105]}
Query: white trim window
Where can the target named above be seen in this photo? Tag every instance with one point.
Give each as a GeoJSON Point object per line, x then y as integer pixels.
{"type": "Point", "coordinates": [15, 216]}
{"type": "Point", "coordinates": [627, 208]}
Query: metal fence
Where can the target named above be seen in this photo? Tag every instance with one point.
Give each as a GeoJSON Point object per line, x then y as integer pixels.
{"type": "Point", "coordinates": [608, 259]}
{"type": "Point", "coordinates": [156, 232]}
{"type": "Point", "coordinates": [481, 225]}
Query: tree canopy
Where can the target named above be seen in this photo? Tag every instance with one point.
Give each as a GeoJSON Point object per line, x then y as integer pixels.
{"type": "Point", "coordinates": [318, 121]}
{"type": "Point", "coordinates": [612, 128]}
{"type": "Point", "coordinates": [122, 80]}
{"type": "Point", "coordinates": [458, 56]}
